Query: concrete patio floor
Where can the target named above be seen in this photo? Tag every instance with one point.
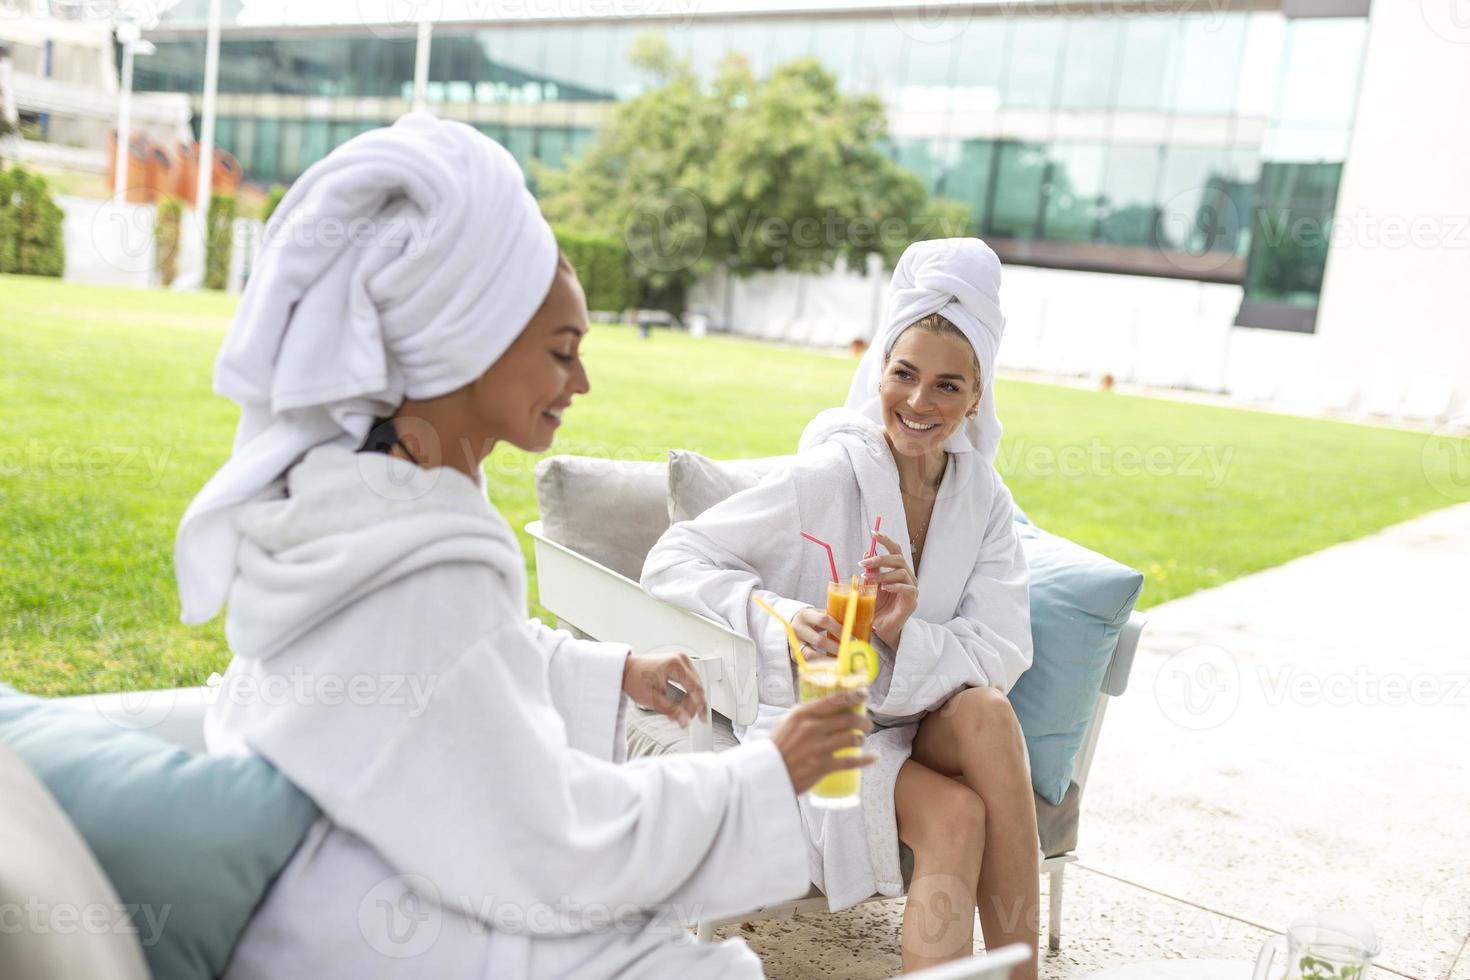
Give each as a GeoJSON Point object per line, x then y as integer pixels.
{"type": "Point", "coordinates": [1293, 740]}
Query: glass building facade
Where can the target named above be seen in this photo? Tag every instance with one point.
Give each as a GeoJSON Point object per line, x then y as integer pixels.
{"type": "Point", "coordinates": [1194, 144]}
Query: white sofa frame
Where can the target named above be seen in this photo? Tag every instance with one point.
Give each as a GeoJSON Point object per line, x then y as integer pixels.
{"type": "Point", "coordinates": [604, 604]}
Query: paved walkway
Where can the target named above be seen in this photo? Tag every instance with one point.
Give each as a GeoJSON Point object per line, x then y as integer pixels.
{"type": "Point", "coordinates": [1296, 739]}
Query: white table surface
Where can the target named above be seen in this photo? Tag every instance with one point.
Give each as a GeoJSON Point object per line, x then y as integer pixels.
{"type": "Point", "coordinates": [1179, 970]}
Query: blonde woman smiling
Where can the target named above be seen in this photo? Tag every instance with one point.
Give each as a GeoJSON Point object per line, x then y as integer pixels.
{"type": "Point", "coordinates": [915, 444]}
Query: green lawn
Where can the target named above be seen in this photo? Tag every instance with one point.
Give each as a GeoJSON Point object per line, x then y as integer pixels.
{"type": "Point", "coordinates": [110, 427]}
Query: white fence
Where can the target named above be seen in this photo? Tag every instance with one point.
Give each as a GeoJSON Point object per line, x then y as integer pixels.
{"type": "Point", "coordinates": [113, 243]}
{"type": "Point", "coordinates": [1159, 333]}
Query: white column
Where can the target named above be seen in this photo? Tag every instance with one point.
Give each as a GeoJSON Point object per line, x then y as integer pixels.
{"type": "Point", "coordinates": [124, 112]}
{"type": "Point", "coordinates": [421, 65]}
{"type": "Point", "coordinates": [206, 131]}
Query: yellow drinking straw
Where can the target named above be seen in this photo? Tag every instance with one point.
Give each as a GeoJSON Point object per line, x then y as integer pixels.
{"type": "Point", "coordinates": [790, 633]}
{"type": "Point", "coordinates": [844, 649]}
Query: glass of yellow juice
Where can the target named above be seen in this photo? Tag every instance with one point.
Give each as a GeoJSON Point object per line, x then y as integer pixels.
{"type": "Point", "coordinates": [867, 602]}
{"type": "Point", "coordinates": [838, 790]}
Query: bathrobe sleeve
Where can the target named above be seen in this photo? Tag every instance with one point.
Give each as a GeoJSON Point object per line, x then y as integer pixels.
{"type": "Point", "coordinates": [711, 566]}
{"type": "Point", "coordinates": [986, 644]}
{"type": "Point", "coordinates": [587, 688]}
{"type": "Point", "coordinates": [475, 788]}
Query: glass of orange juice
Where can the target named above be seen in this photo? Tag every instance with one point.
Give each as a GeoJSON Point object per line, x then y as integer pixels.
{"type": "Point", "coordinates": [862, 626]}
{"type": "Point", "coordinates": [837, 790]}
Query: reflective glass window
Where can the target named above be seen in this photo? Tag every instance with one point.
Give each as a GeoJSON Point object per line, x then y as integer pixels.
{"type": "Point", "coordinates": [1129, 202]}
{"type": "Point", "coordinates": [315, 141]}
{"type": "Point", "coordinates": [1034, 62]}
{"type": "Point", "coordinates": [980, 65]}
{"type": "Point", "coordinates": [1074, 184]}
{"type": "Point", "coordinates": [835, 42]}
{"type": "Point", "coordinates": [1212, 46]}
{"type": "Point", "coordinates": [1290, 231]}
{"type": "Point", "coordinates": [1148, 62]}
{"type": "Point", "coordinates": [1090, 64]}
{"type": "Point", "coordinates": [1020, 177]}
{"type": "Point", "coordinates": [968, 181]}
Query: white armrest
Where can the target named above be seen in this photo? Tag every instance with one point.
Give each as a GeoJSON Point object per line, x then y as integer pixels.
{"type": "Point", "coordinates": [608, 606]}
{"type": "Point", "coordinates": [175, 714]}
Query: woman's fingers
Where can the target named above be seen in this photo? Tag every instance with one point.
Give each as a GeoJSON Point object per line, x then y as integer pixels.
{"type": "Point", "coordinates": [838, 701]}
{"type": "Point", "coordinates": [894, 548]}
{"type": "Point", "coordinates": [820, 639]}
{"type": "Point", "coordinates": [884, 561]}
{"type": "Point", "coordinates": [816, 639]}
{"type": "Point", "coordinates": [694, 703]}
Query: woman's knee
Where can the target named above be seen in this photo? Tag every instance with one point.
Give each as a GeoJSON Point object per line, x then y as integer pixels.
{"type": "Point", "coordinates": [986, 712]}
{"type": "Point", "coordinates": [950, 822]}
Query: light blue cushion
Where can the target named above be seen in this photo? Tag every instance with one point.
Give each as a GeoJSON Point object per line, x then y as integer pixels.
{"type": "Point", "coordinates": [190, 837]}
{"type": "Point", "coordinates": [1079, 603]}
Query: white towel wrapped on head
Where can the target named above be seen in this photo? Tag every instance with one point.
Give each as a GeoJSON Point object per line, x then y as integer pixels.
{"type": "Point", "coordinates": [400, 266]}
{"type": "Point", "coordinates": [958, 278]}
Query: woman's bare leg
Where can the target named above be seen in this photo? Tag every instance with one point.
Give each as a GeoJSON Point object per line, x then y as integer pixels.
{"type": "Point", "coordinates": [975, 737]}
{"type": "Point", "coordinates": [943, 822]}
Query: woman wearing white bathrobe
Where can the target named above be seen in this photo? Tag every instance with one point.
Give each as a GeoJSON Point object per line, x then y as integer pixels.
{"type": "Point", "coordinates": [915, 444]}
{"type": "Point", "coordinates": [475, 822]}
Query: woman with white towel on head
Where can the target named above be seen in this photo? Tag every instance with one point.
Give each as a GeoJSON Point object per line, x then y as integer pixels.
{"type": "Point", "coordinates": [409, 311]}
{"type": "Point", "coordinates": [915, 444]}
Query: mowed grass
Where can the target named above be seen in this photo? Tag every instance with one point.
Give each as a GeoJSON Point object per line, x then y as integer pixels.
{"type": "Point", "coordinates": [110, 428]}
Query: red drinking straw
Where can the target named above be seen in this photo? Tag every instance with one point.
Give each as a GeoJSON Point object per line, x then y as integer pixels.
{"type": "Point", "coordinates": [873, 548]}
{"type": "Point", "coordinates": [868, 573]}
{"type": "Point", "coordinates": [830, 560]}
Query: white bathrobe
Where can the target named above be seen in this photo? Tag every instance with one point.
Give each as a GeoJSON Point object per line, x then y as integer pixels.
{"type": "Point", "coordinates": [475, 822]}
{"type": "Point", "coordinates": [971, 628]}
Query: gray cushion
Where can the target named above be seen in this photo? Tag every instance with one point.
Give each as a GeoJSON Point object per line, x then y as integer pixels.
{"type": "Point", "coordinates": [610, 510]}
{"type": "Point", "coordinates": [651, 734]}
{"type": "Point", "coordinates": [66, 919]}
{"type": "Point", "coordinates": [697, 483]}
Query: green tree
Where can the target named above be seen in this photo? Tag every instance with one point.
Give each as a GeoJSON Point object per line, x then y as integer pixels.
{"type": "Point", "coordinates": [741, 172]}
{"type": "Point", "coordinates": [272, 201]}
{"type": "Point", "coordinates": [31, 241]}
{"type": "Point", "coordinates": [219, 241]}
{"type": "Point", "coordinates": [167, 238]}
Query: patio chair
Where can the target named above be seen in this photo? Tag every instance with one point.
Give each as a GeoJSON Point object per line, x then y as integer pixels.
{"type": "Point", "coordinates": [599, 519]}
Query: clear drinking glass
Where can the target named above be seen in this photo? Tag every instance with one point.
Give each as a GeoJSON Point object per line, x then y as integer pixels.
{"type": "Point", "coordinates": [1323, 946]}
{"type": "Point", "coordinates": [837, 790]}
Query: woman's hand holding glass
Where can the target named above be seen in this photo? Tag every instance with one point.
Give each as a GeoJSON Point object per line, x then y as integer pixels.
{"type": "Point", "coordinates": [898, 591]}
{"type": "Point", "coordinates": [810, 733]}
{"type": "Point", "coordinates": [814, 630]}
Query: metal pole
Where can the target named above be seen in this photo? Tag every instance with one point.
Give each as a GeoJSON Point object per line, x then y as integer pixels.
{"type": "Point", "coordinates": [206, 134]}
{"type": "Point", "coordinates": [124, 124]}
{"type": "Point", "coordinates": [421, 65]}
